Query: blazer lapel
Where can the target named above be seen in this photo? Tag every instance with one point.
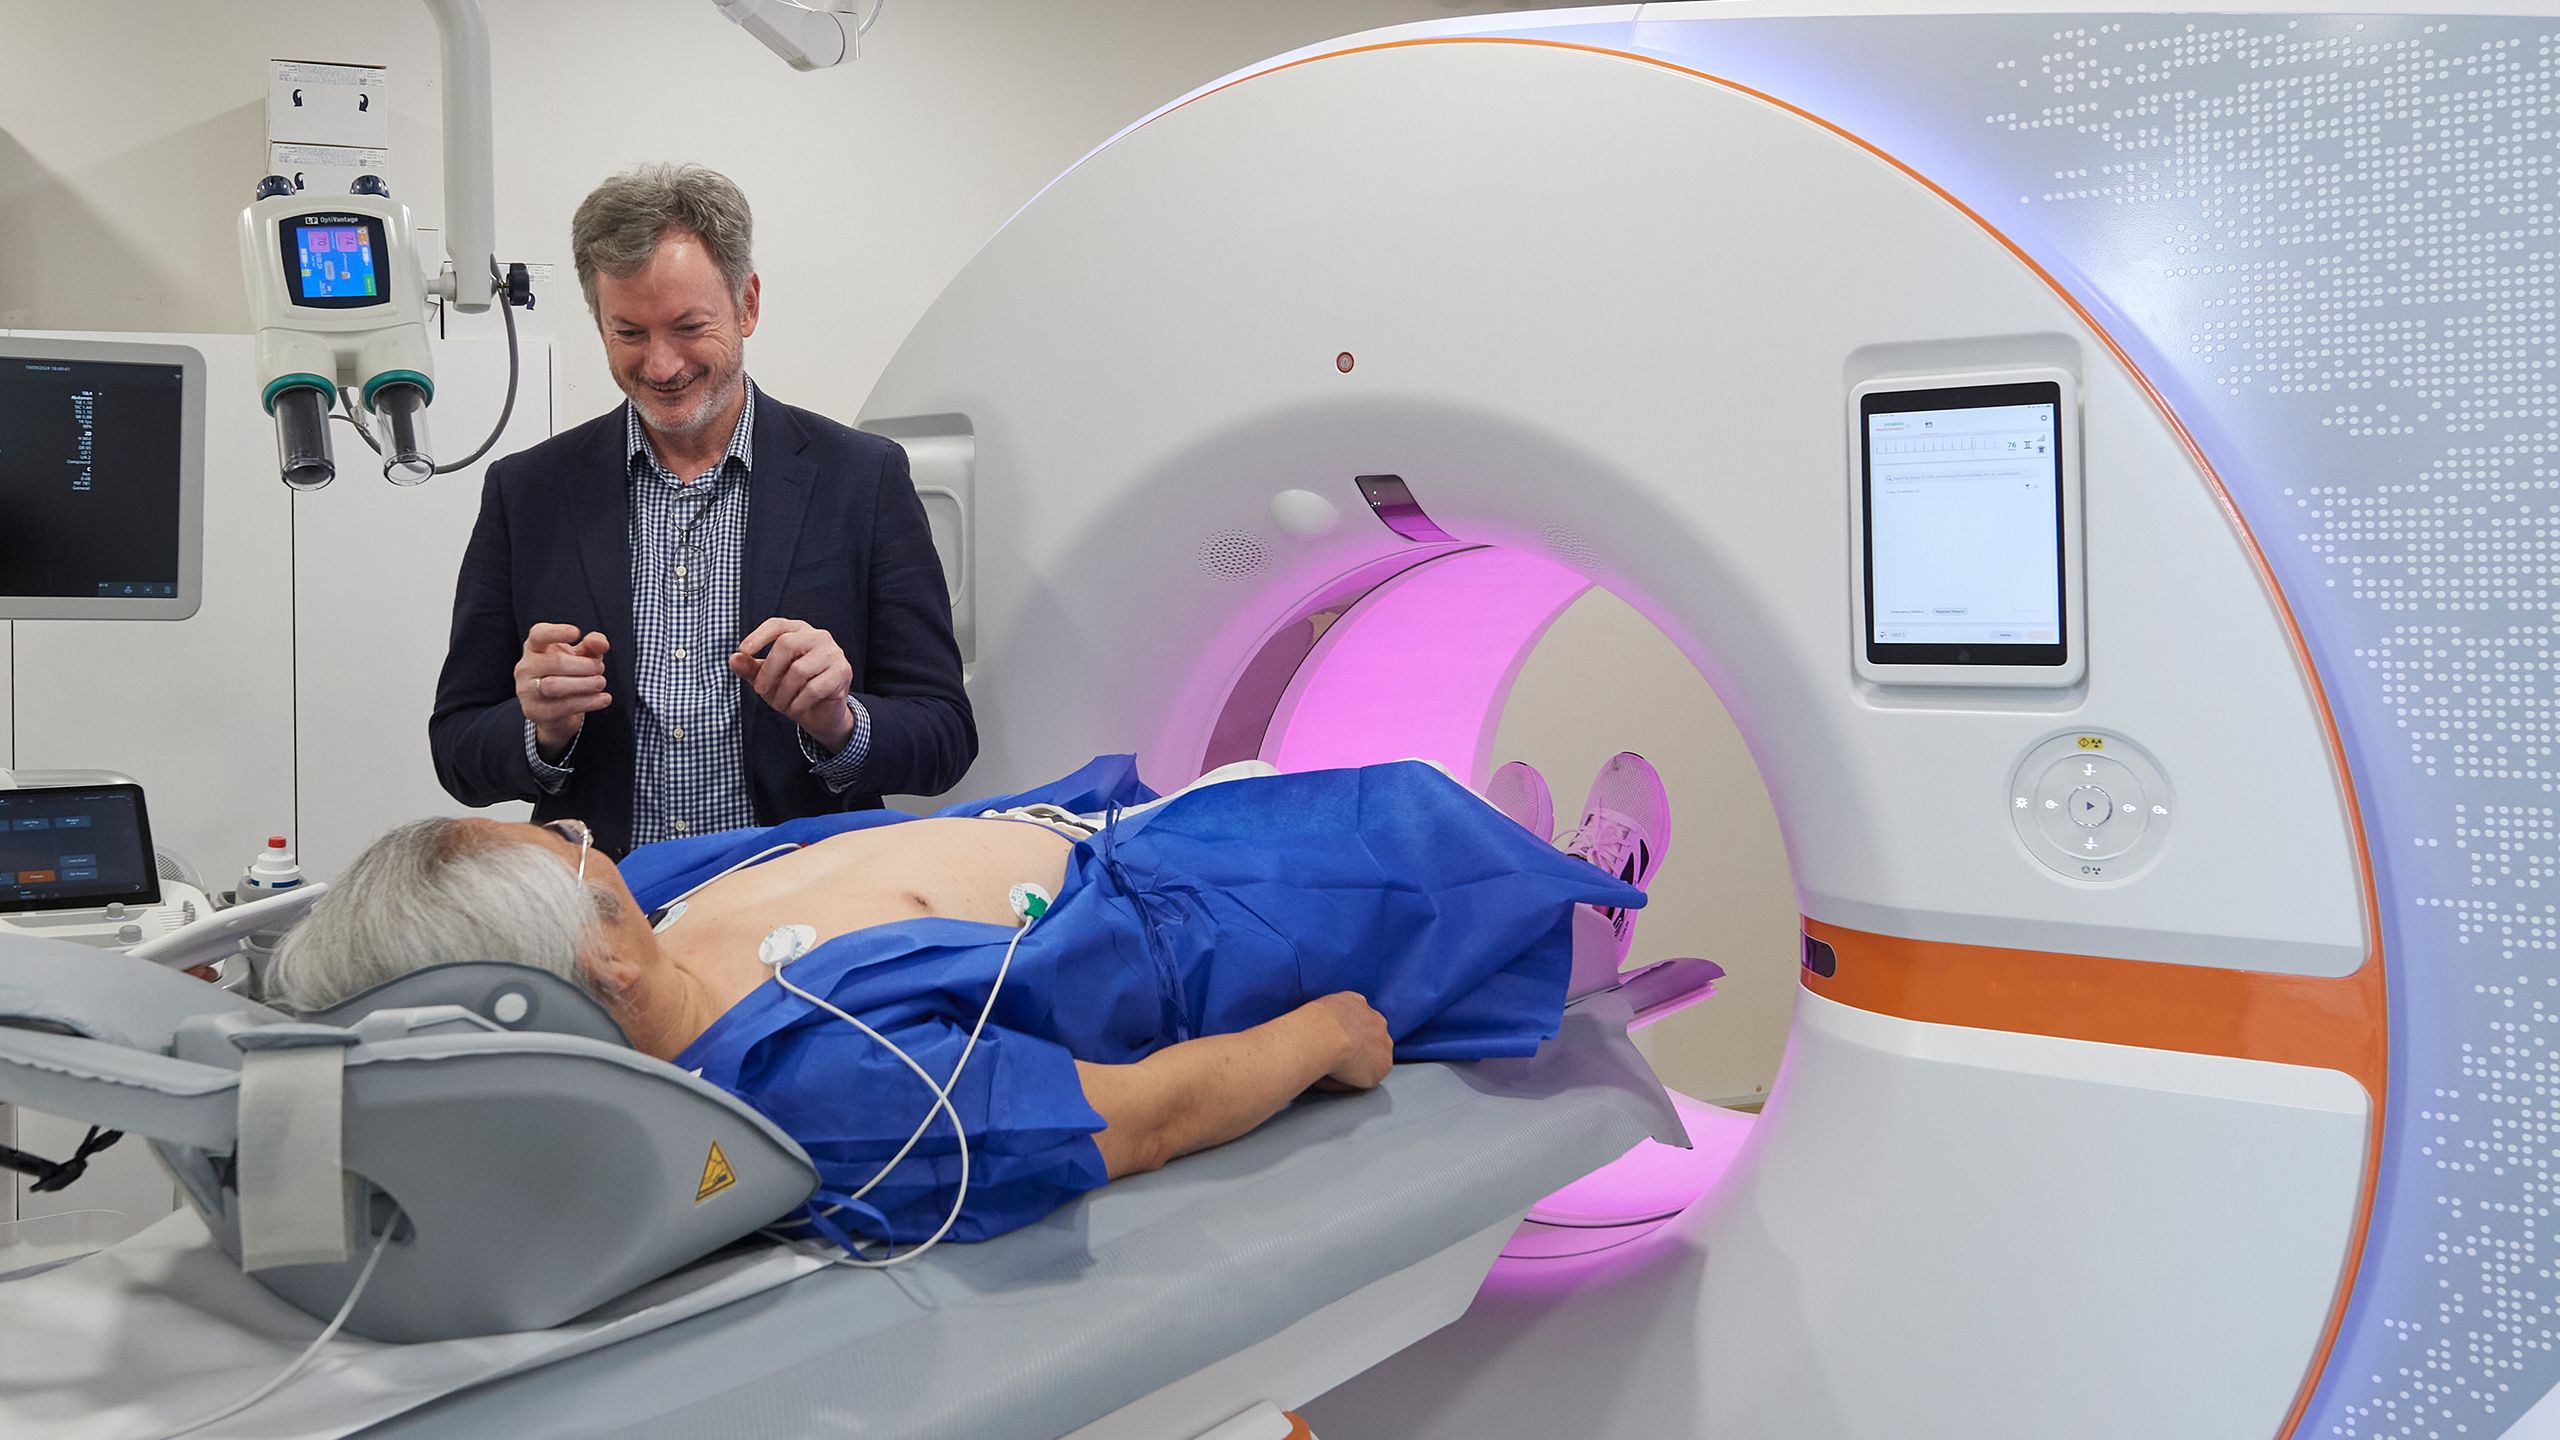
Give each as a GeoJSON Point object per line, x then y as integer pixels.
{"type": "Point", "coordinates": [600, 511]}
{"type": "Point", "coordinates": [780, 479]}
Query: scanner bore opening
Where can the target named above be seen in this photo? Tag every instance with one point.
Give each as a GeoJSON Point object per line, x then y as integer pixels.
{"type": "Point", "coordinates": [1472, 655]}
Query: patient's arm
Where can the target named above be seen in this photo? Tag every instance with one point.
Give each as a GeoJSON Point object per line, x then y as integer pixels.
{"type": "Point", "coordinates": [1208, 1091]}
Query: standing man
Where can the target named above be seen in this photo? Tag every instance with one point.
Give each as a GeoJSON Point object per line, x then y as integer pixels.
{"type": "Point", "coordinates": [706, 609]}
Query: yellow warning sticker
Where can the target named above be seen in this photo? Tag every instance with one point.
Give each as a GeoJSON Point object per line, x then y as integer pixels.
{"type": "Point", "coordinates": [2093, 742]}
{"type": "Point", "coordinates": [716, 1175]}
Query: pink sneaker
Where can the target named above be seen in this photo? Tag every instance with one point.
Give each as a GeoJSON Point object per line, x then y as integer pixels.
{"type": "Point", "coordinates": [1519, 791]}
{"type": "Point", "coordinates": [1625, 829]}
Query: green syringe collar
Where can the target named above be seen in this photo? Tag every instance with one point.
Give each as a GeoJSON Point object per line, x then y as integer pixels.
{"type": "Point", "coordinates": [298, 380]}
{"type": "Point", "coordinates": [398, 377]}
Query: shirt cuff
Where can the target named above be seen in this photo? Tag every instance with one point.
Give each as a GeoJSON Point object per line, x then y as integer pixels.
{"type": "Point", "coordinates": [840, 769]}
{"type": "Point", "coordinates": [545, 774]}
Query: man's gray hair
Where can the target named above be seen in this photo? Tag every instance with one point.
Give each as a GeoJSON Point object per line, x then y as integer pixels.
{"type": "Point", "coordinates": [618, 227]}
{"type": "Point", "coordinates": [434, 892]}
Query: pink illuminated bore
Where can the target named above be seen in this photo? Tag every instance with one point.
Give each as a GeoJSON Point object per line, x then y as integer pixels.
{"type": "Point", "coordinates": [1420, 666]}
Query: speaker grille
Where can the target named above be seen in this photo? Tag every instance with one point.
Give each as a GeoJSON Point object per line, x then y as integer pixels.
{"type": "Point", "coordinates": [1234, 554]}
{"type": "Point", "coordinates": [1569, 547]}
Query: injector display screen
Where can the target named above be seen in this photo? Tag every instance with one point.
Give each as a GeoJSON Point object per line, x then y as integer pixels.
{"type": "Point", "coordinates": [335, 262]}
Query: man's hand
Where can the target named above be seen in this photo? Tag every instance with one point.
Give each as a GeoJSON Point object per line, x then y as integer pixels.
{"type": "Point", "coordinates": [560, 682]}
{"type": "Point", "coordinates": [1364, 1050]}
{"type": "Point", "coordinates": [802, 673]}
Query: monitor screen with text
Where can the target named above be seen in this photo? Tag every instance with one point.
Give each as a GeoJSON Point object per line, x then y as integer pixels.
{"type": "Point", "coordinates": [91, 480]}
{"type": "Point", "coordinates": [1964, 523]}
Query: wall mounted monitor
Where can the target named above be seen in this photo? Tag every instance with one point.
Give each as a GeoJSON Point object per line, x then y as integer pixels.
{"type": "Point", "coordinates": [76, 847]}
{"type": "Point", "coordinates": [1967, 506]}
{"type": "Point", "coordinates": [101, 480]}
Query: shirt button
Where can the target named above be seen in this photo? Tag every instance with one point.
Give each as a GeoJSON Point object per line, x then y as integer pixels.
{"type": "Point", "coordinates": [679, 732]}
{"type": "Point", "coordinates": [679, 654]}
{"type": "Point", "coordinates": [682, 827]}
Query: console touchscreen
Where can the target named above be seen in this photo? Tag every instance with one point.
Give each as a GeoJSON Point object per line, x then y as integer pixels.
{"type": "Point", "coordinates": [1966, 561]}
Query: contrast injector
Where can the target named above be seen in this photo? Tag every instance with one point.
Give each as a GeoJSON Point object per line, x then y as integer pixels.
{"type": "Point", "coordinates": [340, 304]}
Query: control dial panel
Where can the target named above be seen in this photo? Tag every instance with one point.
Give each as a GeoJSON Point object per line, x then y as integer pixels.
{"type": "Point", "coordinates": [2090, 805]}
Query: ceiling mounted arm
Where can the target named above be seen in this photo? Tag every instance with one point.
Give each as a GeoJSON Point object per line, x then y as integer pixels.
{"type": "Point", "coordinates": [471, 226]}
{"type": "Point", "coordinates": [809, 37]}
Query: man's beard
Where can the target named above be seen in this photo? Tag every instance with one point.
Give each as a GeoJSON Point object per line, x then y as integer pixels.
{"type": "Point", "coordinates": [716, 389]}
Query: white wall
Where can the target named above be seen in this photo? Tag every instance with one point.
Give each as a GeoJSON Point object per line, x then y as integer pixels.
{"type": "Point", "coordinates": [131, 133]}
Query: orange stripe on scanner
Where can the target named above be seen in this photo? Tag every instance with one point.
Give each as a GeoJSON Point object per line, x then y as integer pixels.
{"type": "Point", "coordinates": [2333, 1023]}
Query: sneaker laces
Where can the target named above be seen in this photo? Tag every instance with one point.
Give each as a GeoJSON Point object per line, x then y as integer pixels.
{"type": "Point", "coordinates": [1604, 840]}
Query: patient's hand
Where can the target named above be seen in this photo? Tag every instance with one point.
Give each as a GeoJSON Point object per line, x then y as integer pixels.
{"type": "Point", "coordinates": [1367, 1050]}
{"type": "Point", "coordinates": [1209, 1090]}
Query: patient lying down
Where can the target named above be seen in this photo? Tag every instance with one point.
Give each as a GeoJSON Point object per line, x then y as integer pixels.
{"type": "Point", "coordinates": [1203, 962]}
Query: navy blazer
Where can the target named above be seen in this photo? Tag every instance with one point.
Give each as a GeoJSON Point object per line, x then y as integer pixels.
{"type": "Point", "coordinates": [835, 537]}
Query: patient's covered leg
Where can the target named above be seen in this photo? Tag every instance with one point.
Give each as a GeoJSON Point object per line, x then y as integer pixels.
{"type": "Point", "coordinates": [1392, 881]}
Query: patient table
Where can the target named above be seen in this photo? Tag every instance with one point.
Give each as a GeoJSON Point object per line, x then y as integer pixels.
{"type": "Point", "coordinates": [1256, 1275]}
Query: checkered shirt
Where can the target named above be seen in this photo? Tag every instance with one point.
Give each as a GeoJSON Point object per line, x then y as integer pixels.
{"type": "Point", "coordinates": [688, 565]}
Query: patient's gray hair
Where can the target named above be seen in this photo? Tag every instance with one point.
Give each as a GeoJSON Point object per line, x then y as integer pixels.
{"type": "Point", "coordinates": [618, 226]}
{"type": "Point", "coordinates": [438, 892]}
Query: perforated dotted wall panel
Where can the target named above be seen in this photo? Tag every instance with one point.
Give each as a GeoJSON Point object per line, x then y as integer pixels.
{"type": "Point", "coordinates": [2330, 243]}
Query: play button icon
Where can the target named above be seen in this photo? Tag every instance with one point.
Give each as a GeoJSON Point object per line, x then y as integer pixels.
{"type": "Point", "coordinates": [2090, 806]}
